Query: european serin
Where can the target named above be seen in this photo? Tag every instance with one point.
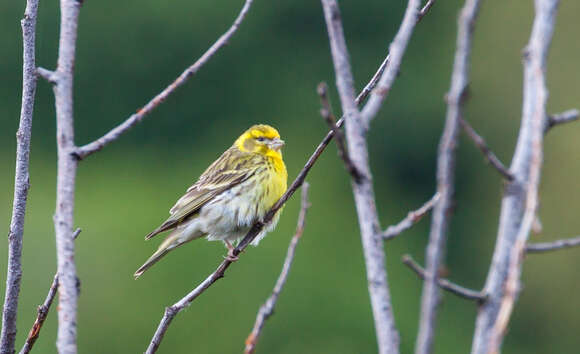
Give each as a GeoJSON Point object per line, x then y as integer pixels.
{"type": "Point", "coordinates": [234, 192]}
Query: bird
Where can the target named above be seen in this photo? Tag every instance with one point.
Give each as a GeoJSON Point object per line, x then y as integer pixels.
{"type": "Point", "coordinates": [234, 192]}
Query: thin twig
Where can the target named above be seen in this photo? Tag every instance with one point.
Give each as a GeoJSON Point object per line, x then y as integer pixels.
{"type": "Point", "coordinates": [446, 177]}
{"type": "Point", "coordinates": [326, 113]}
{"type": "Point", "coordinates": [520, 199]}
{"type": "Point", "coordinates": [115, 133]}
{"type": "Point", "coordinates": [561, 118]}
{"type": "Point", "coordinates": [21, 180]}
{"type": "Point", "coordinates": [267, 309]}
{"type": "Point", "coordinates": [42, 311]}
{"type": "Point", "coordinates": [485, 150]}
{"type": "Point", "coordinates": [46, 74]}
{"type": "Point", "coordinates": [411, 219]}
{"type": "Point", "coordinates": [453, 288]}
{"type": "Point", "coordinates": [542, 247]}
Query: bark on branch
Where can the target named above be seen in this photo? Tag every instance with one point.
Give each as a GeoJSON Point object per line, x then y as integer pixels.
{"type": "Point", "coordinates": [21, 180]}
{"type": "Point", "coordinates": [445, 177]}
{"type": "Point", "coordinates": [267, 309]}
{"type": "Point", "coordinates": [520, 199]}
{"type": "Point", "coordinates": [542, 247]}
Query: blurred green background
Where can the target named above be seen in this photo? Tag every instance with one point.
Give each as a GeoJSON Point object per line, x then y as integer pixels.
{"type": "Point", "coordinates": [128, 51]}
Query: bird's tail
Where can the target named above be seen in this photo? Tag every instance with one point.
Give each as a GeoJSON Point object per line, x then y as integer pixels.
{"type": "Point", "coordinates": [173, 240]}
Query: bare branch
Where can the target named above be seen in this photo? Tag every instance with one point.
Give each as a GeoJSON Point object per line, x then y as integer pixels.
{"type": "Point", "coordinates": [42, 311]}
{"type": "Point", "coordinates": [520, 199]}
{"type": "Point", "coordinates": [66, 177]}
{"type": "Point", "coordinates": [21, 180]}
{"type": "Point", "coordinates": [542, 247]}
{"type": "Point", "coordinates": [485, 150]}
{"type": "Point", "coordinates": [444, 283]}
{"type": "Point", "coordinates": [137, 117]}
{"type": "Point", "coordinates": [425, 10]}
{"type": "Point", "coordinates": [445, 177]}
{"type": "Point", "coordinates": [411, 219]}
{"type": "Point", "coordinates": [561, 118]}
{"type": "Point", "coordinates": [396, 51]}
{"type": "Point", "coordinates": [326, 113]}
{"type": "Point", "coordinates": [267, 309]}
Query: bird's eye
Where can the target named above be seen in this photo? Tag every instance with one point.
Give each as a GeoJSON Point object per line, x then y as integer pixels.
{"type": "Point", "coordinates": [261, 139]}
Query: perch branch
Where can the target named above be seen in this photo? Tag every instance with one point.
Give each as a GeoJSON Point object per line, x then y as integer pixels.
{"type": "Point", "coordinates": [520, 199]}
{"type": "Point", "coordinates": [444, 283]}
{"type": "Point", "coordinates": [267, 309]}
{"type": "Point", "coordinates": [42, 311]}
{"type": "Point", "coordinates": [326, 113]}
{"type": "Point", "coordinates": [445, 177]}
{"type": "Point", "coordinates": [171, 311]}
{"type": "Point", "coordinates": [561, 118]}
{"type": "Point", "coordinates": [485, 150]}
{"type": "Point", "coordinates": [542, 247]}
{"type": "Point", "coordinates": [411, 219]}
{"type": "Point", "coordinates": [115, 133]}
{"type": "Point", "coordinates": [21, 180]}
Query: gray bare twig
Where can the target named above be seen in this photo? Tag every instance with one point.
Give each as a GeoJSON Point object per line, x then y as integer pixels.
{"type": "Point", "coordinates": [267, 309]}
{"type": "Point", "coordinates": [42, 311]}
{"type": "Point", "coordinates": [21, 180]}
{"type": "Point", "coordinates": [445, 177]}
{"type": "Point", "coordinates": [520, 199]}
{"type": "Point", "coordinates": [485, 150]}
{"type": "Point", "coordinates": [88, 149]}
{"type": "Point", "coordinates": [411, 219]}
{"type": "Point", "coordinates": [561, 118]}
{"type": "Point", "coordinates": [326, 113]}
{"type": "Point", "coordinates": [542, 247]}
{"type": "Point", "coordinates": [444, 283]}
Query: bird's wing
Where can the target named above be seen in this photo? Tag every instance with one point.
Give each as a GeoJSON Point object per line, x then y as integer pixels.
{"type": "Point", "coordinates": [227, 171]}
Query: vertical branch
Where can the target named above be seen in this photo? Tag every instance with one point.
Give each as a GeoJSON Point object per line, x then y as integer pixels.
{"type": "Point", "coordinates": [520, 200]}
{"type": "Point", "coordinates": [356, 126]}
{"type": "Point", "coordinates": [445, 178]}
{"type": "Point", "coordinates": [21, 179]}
{"type": "Point", "coordinates": [66, 175]}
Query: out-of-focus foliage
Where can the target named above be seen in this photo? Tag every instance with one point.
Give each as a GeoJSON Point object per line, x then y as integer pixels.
{"type": "Point", "coordinates": [128, 51]}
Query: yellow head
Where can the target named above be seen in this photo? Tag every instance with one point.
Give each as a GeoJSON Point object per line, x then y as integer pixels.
{"type": "Point", "coordinates": [261, 139]}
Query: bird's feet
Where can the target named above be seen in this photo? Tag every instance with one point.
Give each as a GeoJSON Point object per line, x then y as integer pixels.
{"type": "Point", "coordinates": [230, 256]}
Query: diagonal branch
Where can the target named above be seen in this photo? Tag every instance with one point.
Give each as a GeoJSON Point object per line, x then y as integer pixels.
{"type": "Point", "coordinates": [445, 177]}
{"type": "Point", "coordinates": [21, 180]}
{"type": "Point", "coordinates": [88, 149]}
{"type": "Point", "coordinates": [42, 311]}
{"type": "Point", "coordinates": [542, 247]}
{"type": "Point", "coordinates": [520, 199]}
{"type": "Point", "coordinates": [485, 150]}
{"type": "Point", "coordinates": [561, 118]}
{"type": "Point", "coordinates": [444, 283]}
{"type": "Point", "coordinates": [411, 219]}
{"type": "Point", "coordinates": [267, 309]}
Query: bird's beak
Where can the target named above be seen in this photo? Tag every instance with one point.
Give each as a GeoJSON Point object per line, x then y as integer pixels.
{"type": "Point", "coordinates": [276, 144]}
